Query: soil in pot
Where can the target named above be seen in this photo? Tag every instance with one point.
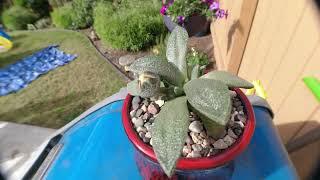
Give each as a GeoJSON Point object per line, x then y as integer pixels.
{"type": "Point", "coordinates": [198, 143]}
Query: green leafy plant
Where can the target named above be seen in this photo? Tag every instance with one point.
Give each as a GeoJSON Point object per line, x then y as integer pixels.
{"type": "Point", "coordinates": [128, 27]}
{"type": "Point", "coordinates": [39, 6]}
{"type": "Point", "coordinates": [17, 18]}
{"type": "Point", "coordinates": [62, 16]}
{"type": "Point", "coordinates": [208, 96]}
{"type": "Point", "coordinates": [82, 13]}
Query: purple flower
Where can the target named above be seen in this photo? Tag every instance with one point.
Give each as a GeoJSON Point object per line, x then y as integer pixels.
{"type": "Point", "coordinates": [221, 13]}
{"type": "Point", "coordinates": [214, 5]}
{"type": "Point", "coordinates": [181, 19]}
{"type": "Point", "coordinates": [163, 10]}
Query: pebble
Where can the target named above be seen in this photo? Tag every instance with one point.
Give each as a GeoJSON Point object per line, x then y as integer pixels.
{"type": "Point", "coordinates": [220, 144]}
{"type": "Point", "coordinates": [137, 122]}
{"type": "Point", "coordinates": [139, 112]}
{"type": "Point", "coordinates": [146, 102]}
{"type": "Point", "coordinates": [197, 147]}
{"type": "Point", "coordinates": [147, 125]}
{"type": "Point", "coordinates": [151, 142]}
{"type": "Point", "coordinates": [126, 60]}
{"type": "Point", "coordinates": [196, 137]}
{"type": "Point", "coordinates": [240, 117]}
{"type": "Point", "coordinates": [228, 140]}
{"type": "Point", "coordinates": [132, 113]}
{"type": "Point", "coordinates": [141, 129]}
{"type": "Point", "coordinates": [232, 134]}
{"type": "Point", "coordinates": [203, 134]}
{"type": "Point", "coordinates": [148, 135]}
{"type": "Point", "coordinates": [144, 108]}
{"type": "Point", "coordinates": [146, 116]}
{"type": "Point", "coordinates": [237, 103]}
{"type": "Point", "coordinates": [196, 127]}
{"type": "Point", "coordinates": [240, 123]}
{"type": "Point", "coordinates": [142, 134]}
{"type": "Point", "coordinates": [237, 131]}
{"type": "Point", "coordinates": [136, 100]}
{"type": "Point", "coordinates": [206, 143]}
{"type": "Point", "coordinates": [194, 154]}
{"type": "Point", "coordinates": [160, 102]}
{"type": "Point", "coordinates": [186, 150]}
{"type": "Point", "coordinates": [189, 140]}
{"type": "Point", "coordinates": [146, 140]}
{"type": "Point", "coordinates": [153, 108]}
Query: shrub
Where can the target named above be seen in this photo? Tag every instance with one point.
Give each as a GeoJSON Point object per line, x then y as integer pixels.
{"type": "Point", "coordinates": [57, 3]}
{"type": "Point", "coordinates": [17, 18]}
{"type": "Point", "coordinates": [62, 16]}
{"type": "Point", "coordinates": [39, 6]}
{"type": "Point", "coordinates": [83, 12]}
{"type": "Point", "coordinates": [130, 29]}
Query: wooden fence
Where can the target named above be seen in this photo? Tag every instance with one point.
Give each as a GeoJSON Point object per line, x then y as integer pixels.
{"type": "Point", "coordinates": [278, 43]}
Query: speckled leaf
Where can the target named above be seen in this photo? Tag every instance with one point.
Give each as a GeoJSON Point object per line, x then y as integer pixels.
{"type": "Point", "coordinates": [177, 48]}
{"type": "Point", "coordinates": [230, 80]}
{"type": "Point", "coordinates": [195, 72]}
{"type": "Point", "coordinates": [134, 90]}
{"type": "Point", "coordinates": [169, 133]}
{"type": "Point", "coordinates": [164, 69]}
{"type": "Point", "coordinates": [211, 99]}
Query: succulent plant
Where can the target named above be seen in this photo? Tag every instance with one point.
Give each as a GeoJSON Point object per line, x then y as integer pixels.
{"type": "Point", "coordinates": [208, 96]}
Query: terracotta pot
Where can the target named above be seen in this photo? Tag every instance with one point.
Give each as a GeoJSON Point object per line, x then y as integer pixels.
{"type": "Point", "coordinates": [196, 25]}
{"type": "Point", "coordinates": [220, 166]}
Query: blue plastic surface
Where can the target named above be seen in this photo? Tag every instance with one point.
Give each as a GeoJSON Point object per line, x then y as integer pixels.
{"type": "Point", "coordinates": [18, 75]}
{"type": "Point", "coordinates": [97, 148]}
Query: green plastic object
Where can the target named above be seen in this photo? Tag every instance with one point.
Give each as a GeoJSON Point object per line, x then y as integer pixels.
{"type": "Point", "coordinates": [314, 85]}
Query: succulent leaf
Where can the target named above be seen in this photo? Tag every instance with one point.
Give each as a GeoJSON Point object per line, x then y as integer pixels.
{"type": "Point", "coordinates": [230, 80]}
{"type": "Point", "coordinates": [211, 101]}
{"type": "Point", "coordinates": [164, 69]}
{"type": "Point", "coordinates": [195, 72]}
{"type": "Point", "coordinates": [169, 133]}
{"type": "Point", "coordinates": [177, 48]}
{"type": "Point", "coordinates": [146, 91]}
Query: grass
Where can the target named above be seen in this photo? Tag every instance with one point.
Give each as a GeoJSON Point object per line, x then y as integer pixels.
{"type": "Point", "coordinates": [59, 96]}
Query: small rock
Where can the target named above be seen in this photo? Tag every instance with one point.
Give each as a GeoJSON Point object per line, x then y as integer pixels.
{"type": "Point", "coordinates": [126, 68]}
{"type": "Point", "coordinates": [237, 131]}
{"type": "Point", "coordinates": [212, 152]}
{"type": "Point", "coordinates": [203, 134]}
{"type": "Point", "coordinates": [228, 140]}
{"type": "Point", "coordinates": [240, 108]}
{"type": "Point", "coordinates": [237, 103]}
{"type": "Point", "coordinates": [194, 154]}
{"type": "Point", "coordinates": [141, 129]}
{"type": "Point", "coordinates": [220, 144]}
{"type": "Point", "coordinates": [240, 117]}
{"type": "Point", "coordinates": [139, 112]}
{"type": "Point", "coordinates": [93, 35]}
{"type": "Point", "coordinates": [232, 134]}
{"type": "Point", "coordinates": [146, 116]}
{"type": "Point", "coordinates": [137, 122]}
{"type": "Point", "coordinates": [195, 137]}
{"type": "Point", "coordinates": [132, 113]}
{"type": "Point", "coordinates": [189, 140]}
{"type": "Point", "coordinates": [196, 127]}
{"type": "Point", "coordinates": [126, 60]}
{"type": "Point", "coordinates": [186, 150]}
{"type": "Point", "coordinates": [206, 143]}
{"type": "Point", "coordinates": [146, 140]}
{"type": "Point", "coordinates": [197, 147]}
{"type": "Point", "coordinates": [146, 102]}
{"type": "Point", "coordinates": [153, 108]}
{"type": "Point", "coordinates": [151, 142]}
{"type": "Point", "coordinates": [240, 123]}
{"type": "Point", "coordinates": [147, 125]}
{"type": "Point", "coordinates": [160, 102]}
{"type": "Point", "coordinates": [142, 134]}
{"type": "Point", "coordinates": [148, 135]}
{"type": "Point", "coordinates": [205, 151]}
{"type": "Point", "coordinates": [136, 102]}
{"type": "Point", "coordinates": [144, 108]}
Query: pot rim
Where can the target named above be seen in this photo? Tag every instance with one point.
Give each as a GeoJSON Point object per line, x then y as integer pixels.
{"type": "Point", "coordinates": [195, 163]}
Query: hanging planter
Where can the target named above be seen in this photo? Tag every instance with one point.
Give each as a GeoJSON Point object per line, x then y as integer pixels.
{"type": "Point", "coordinates": [194, 15]}
{"type": "Point", "coordinates": [182, 123]}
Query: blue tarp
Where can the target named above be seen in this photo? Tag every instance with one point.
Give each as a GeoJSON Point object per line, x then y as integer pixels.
{"type": "Point", "coordinates": [18, 75]}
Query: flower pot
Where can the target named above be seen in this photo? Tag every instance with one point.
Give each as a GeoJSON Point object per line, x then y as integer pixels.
{"type": "Point", "coordinates": [196, 25]}
{"type": "Point", "coordinates": [220, 166]}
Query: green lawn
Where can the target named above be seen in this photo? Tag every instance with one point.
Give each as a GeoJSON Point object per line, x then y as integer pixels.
{"type": "Point", "coordinates": [59, 96]}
